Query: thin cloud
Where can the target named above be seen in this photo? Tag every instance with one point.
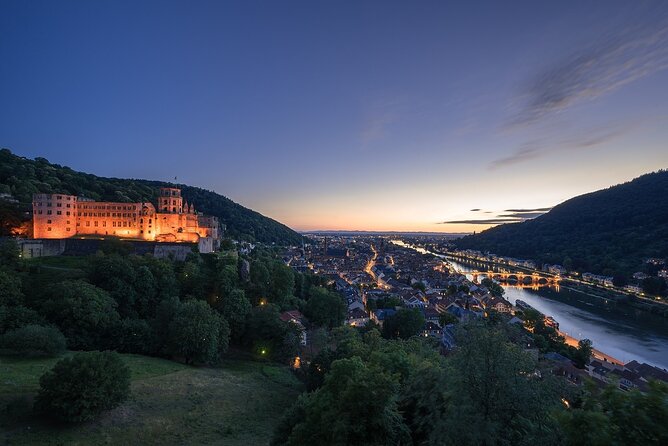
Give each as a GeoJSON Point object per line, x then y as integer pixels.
{"type": "Point", "coordinates": [525, 153]}
{"type": "Point", "coordinates": [529, 210]}
{"type": "Point", "coordinates": [616, 59]}
{"type": "Point", "coordinates": [523, 215]}
{"type": "Point", "coordinates": [584, 139]}
{"type": "Point", "coordinates": [475, 210]}
{"type": "Point", "coordinates": [490, 221]}
{"type": "Point", "coordinates": [376, 128]}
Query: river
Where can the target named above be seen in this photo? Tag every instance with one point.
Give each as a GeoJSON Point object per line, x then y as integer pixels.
{"type": "Point", "coordinates": [617, 330]}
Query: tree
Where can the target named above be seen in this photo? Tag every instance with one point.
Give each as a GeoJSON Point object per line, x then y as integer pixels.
{"type": "Point", "coordinates": [84, 313]}
{"type": "Point", "coordinates": [493, 387]}
{"type": "Point", "coordinates": [325, 308]}
{"type": "Point", "coordinates": [266, 332]}
{"type": "Point", "coordinates": [655, 286]}
{"type": "Point", "coordinates": [15, 317]}
{"type": "Point", "coordinates": [613, 417]}
{"type": "Point", "coordinates": [197, 333]}
{"type": "Point", "coordinates": [494, 288]}
{"type": "Point", "coordinates": [9, 253]}
{"type": "Point", "coordinates": [135, 336]}
{"type": "Point", "coordinates": [81, 387]}
{"type": "Point", "coordinates": [583, 353]}
{"type": "Point", "coordinates": [282, 282]}
{"type": "Point", "coordinates": [33, 340]}
{"type": "Point", "coordinates": [10, 289]}
{"type": "Point", "coordinates": [403, 324]}
{"type": "Point", "coordinates": [235, 308]}
{"type": "Point", "coordinates": [355, 406]}
{"type": "Point", "coordinates": [447, 318]}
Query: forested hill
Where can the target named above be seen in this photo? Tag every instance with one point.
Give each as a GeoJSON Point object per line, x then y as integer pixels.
{"type": "Point", "coordinates": [608, 231]}
{"type": "Point", "coordinates": [21, 177]}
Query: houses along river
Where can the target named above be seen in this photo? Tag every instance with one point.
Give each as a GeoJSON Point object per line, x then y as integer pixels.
{"type": "Point", "coordinates": [617, 330]}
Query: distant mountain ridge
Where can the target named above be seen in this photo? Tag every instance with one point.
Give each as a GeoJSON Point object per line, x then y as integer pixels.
{"type": "Point", "coordinates": [609, 231]}
{"type": "Point", "coordinates": [21, 177]}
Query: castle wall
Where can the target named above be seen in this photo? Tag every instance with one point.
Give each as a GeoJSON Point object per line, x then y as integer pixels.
{"type": "Point", "coordinates": [107, 218]}
{"type": "Point", "coordinates": [57, 216]}
{"type": "Point", "coordinates": [54, 215]}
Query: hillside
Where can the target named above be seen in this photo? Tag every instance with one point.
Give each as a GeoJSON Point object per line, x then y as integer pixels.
{"type": "Point", "coordinates": [608, 231]}
{"type": "Point", "coordinates": [239, 403]}
{"type": "Point", "coordinates": [22, 177]}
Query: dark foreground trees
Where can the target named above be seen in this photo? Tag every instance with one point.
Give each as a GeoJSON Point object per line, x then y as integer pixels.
{"type": "Point", "coordinates": [33, 340]}
{"type": "Point", "coordinates": [81, 387]}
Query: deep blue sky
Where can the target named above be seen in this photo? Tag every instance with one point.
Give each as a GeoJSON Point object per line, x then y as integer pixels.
{"type": "Point", "coordinates": [342, 115]}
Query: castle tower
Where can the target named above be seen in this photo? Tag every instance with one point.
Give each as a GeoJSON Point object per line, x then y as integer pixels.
{"type": "Point", "coordinates": [170, 200]}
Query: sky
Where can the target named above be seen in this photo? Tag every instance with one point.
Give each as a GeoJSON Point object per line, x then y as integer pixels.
{"type": "Point", "coordinates": [445, 116]}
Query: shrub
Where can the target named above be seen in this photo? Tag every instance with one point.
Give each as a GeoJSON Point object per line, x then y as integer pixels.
{"type": "Point", "coordinates": [33, 340]}
{"type": "Point", "coordinates": [81, 387]}
{"type": "Point", "coordinates": [15, 317]}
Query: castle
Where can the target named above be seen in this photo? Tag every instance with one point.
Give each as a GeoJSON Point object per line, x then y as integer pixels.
{"type": "Point", "coordinates": [59, 216]}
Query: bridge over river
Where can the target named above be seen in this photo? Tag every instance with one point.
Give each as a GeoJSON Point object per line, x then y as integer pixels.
{"type": "Point", "coordinates": [620, 331]}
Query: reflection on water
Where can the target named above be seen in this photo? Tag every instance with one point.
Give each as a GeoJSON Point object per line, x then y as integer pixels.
{"type": "Point", "coordinates": [619, 331]}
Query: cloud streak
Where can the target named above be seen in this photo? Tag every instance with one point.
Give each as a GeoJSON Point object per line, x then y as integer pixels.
{"type": "Point", "coordinates": [529, 210]}
{"type": "Point", "coordinates": [489, 221]}
{"type": "Point", "coordinates": [612, 61]}
{"type": "Point", "coordinates": [583, 140]}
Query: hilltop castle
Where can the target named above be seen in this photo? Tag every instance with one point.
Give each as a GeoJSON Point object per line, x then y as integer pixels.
{"type": "Point", "coordinates": [59, 216]}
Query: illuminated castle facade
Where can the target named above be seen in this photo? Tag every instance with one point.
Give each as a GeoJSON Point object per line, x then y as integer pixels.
{"type": "Point", "coordinates": [58, 216]}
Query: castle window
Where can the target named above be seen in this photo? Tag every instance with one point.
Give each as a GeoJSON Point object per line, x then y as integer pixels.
{"type": "Point", "coordinates": [48, 221]}
{"type": "Point", "coordinates": [87, 223]}
{"type": "Point", "coordinates": [104, 224]}
{"type": "Point", "coordinates": [174, 210]}
{"type": "Point", "coordinates": [48, 212]}
{"type": "Point", "coordinates": [39, 212]}
{"type": "Point", "coordinates": [48, 229]}
{"type": "Point", "coordinates": [95, 223]}
{"type": "Point", "coordinates": [68, 199]}
{"type": "Point", "coordinates": [60, 205]}
{"type": "Point", "coordinates": [68, 222]}
{"type": "Point", "coordinates": [60, 197]}
{"type": "Point", "coordinates": [48, 204]}
{"type": "Point", "coordinates": [68, 205]}
{"type": "Point", "coordinates": [67, 229]}
{"type": "Point", "coordinates": [68, 212]}
{"type": "Point", "coordinates": [149, 231]}
{"type": "Point", "coordinates": [59, 212]}
{"type": "Point", "coordinates": [113, 223]}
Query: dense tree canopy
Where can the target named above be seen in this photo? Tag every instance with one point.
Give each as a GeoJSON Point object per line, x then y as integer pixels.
{"type": "Point", "coordinates": [403, 324]}
{"type": "Point", "coordinates": [325, 308]}
{"type": "Point", "coordinates": [609, 231]}
{"type": "Point", "coordinates": [84, 313]}
{"type": "Point", "coordinates": [197, 333]}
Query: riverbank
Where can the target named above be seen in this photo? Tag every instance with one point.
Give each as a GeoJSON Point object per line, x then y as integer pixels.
{"type": "Point", "coordinates": [659, 308]}
{"type": "Point", "coordinates": [573, 342]}
{"type": "Point", "coordinates": [621, 331]}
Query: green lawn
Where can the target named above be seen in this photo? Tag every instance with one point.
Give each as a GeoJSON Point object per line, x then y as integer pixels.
{"type": "Point", "coordinates": [236, 404]}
